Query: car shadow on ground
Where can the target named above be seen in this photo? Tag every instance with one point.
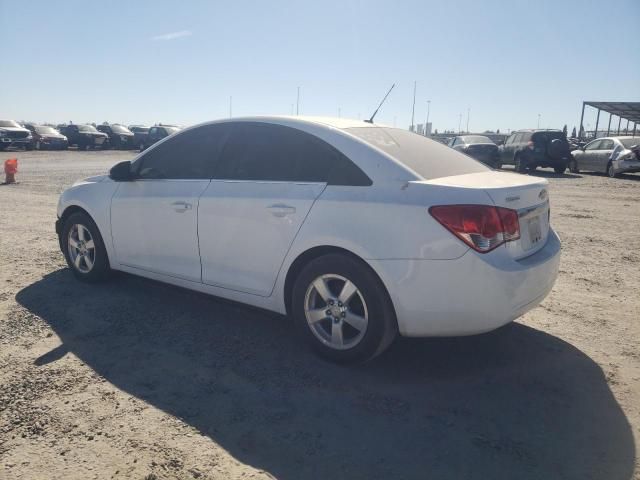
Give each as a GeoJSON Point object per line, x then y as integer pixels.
{"type": "Point", "coordinates": [515, 403]}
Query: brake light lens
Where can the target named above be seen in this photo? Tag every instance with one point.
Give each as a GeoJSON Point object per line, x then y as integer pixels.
{"type": "Point", "coordinates": [482, 227]}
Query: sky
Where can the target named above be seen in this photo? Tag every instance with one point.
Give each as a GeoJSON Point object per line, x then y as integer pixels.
{"type": "Point", "coordinates": [505, 65]}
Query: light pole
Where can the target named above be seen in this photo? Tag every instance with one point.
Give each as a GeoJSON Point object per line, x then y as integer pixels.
{"type": "Point", "coordinates": [298, 103]}
{"type": "Point", "coordinates": [468, 113]}
{"type": "Point", "coordinates": [459, 122]}
{"type": "Point", "coordinates": [413, 108]}
{"type": "Point", "coordinates": [538, 120]}
{"type": "Point", "coordinates": [426, 124]}
{"type": "Point", "coordinates": [230, 106]}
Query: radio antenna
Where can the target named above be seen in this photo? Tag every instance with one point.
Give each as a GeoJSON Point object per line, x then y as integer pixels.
{"type": "Point", "coordinates": [376, 112]}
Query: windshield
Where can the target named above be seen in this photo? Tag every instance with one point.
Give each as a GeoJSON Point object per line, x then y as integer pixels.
{"type": "Point", "coordinates": [428, 158]}
{"type": "Point", "coordinates": [9, 123]}
{"type": "Point", "coordinates": [171, 130]}
{"type": "Point", "coordinates": [44, 130]}
{"type": "Point", "coordinates": [139, 129]}
{"type": "Point", "coordinates": [87, 128]}
{"type": "Point", "coordinates": [629, 142]}
{"type": "Point", "coordinates": [476, 139]}
{"type": "Point", "coordinates": [119, 129]}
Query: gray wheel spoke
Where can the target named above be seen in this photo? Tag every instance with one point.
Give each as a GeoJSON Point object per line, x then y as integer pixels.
{"type": "Point", "coordinates": [89, 244]}
{"type": "Point", "coordinates": [73, 243]}
{"type": "Point", "coordinates": [336, 334]}
{"type": "Point", "coordinates": [356, 321]}
{"type": "Point", "coordinates": [348, 289]}
{"type": "Point", "coordinates": [80, 232]}
{"type": "Point", "coordinates": [88, 262]}
{"type": "Point", "coordinates": [77, 261]}
{"type": "Point", "coordinates": [316, 315]}
{"type": "Point", "coordinates": [323, 290]}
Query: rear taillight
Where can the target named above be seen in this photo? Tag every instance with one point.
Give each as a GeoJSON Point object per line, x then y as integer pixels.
{"type": "Point", "coordinates": [482, 227]}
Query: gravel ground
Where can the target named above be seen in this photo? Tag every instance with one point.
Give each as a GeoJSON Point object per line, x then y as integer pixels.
{"type": "Point", "coordinates": [135, 379]}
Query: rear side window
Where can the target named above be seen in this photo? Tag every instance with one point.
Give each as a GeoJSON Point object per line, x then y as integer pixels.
{"type": "Point", "coordinates": [267, 152]}
{"type": "Point", "coordinates": [428, 158]}
{"type": "Point", "coordinates": [593, 145]}
{"type": "Point", "coordinates": [189, 155]}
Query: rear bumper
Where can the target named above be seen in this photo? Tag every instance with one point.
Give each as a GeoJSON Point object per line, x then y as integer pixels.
{"type": "Point", "coordinates": [472, 294]}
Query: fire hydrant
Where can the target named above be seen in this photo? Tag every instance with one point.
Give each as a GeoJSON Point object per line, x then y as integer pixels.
{"type": "Point", "coordinates": [10, 170]}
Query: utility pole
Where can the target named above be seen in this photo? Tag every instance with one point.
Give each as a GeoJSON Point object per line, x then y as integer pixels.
{"type": "Point", "coordinates": [538, 120]}
{"type": "Point", "coordinates": [426, 124]}
{"type": "Point", "coordinates": [468, 113]}
{"type": "Point", "coordinates": [459, 122]}
{"type": "Point", "coordinates": [298, 103]}
{"type": "Point", "coordinates": [413, 109]}
{"type": "Point", "coordinates": [230, 106]}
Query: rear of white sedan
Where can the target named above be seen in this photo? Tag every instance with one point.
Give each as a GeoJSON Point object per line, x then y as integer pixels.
{"type": "Point", "coordinates": [357, 231]}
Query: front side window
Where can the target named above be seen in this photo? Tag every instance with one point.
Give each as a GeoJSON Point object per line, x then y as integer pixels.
{"type": "Point", "coordinates": [189, 155]}
{"type": "Point", "coordinates": [595, 145]}
{"type": "Point", "coordinates": [606, 145]}
{"type": "Point", "coordinates": [266, 152]}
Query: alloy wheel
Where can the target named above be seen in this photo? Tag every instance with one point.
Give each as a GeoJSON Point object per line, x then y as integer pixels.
{"type": "Point", "coordinates": [81, 247]}
{"type": "Point", "coordinates": [336, 311]}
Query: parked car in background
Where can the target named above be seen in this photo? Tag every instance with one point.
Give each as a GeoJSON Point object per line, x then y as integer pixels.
{"type": "Point", "coordinates": [13, 135]}
{"type": "Point", "coordinates": [157, 133]}
{"type": "Point", "coordinates": [479, 147]}
{"type": "Point", "coordinates": [120, 137]}
{"type": "Point", "coordinates": [611, 155]}
{"type": "Point", "coordinates": [45, 137]}
{"type": "Point", "coordinates": [530, 149]}
{"type": "Point", "coordinates": [310, 217]}
{"type": "Point", "coordinates": [84, 136]}
{"type": "Point", "coordinates": [140, 132]}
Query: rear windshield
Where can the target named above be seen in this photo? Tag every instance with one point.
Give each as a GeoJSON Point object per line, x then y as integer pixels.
{"type": "Point", "coordinates": [9, 124]}
{"type": "Point", "coordinates": [428, 158]}
{"type": "Point", "coordinates": [119, 129]}
{"type": "Point", "coordinates": [476, 139]}
{"type": "Point", "coordinates": [630, 142]}
{"type": "Point", "coordinates": [548, 136]}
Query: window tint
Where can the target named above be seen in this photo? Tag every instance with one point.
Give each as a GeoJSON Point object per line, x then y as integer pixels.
{"type": "Point", "coordinates": [427, 158]}
{"type": "Point", "coordinates": [595, 145]}
{"type": "Point", "coordinates": [191, 154]}
{"type": "Point", "coordinates": [266, 152]}
{"type": "Point", "coordinates": [606, 145]}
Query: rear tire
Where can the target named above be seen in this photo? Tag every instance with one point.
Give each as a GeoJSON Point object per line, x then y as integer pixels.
{"type": "Point", "coordinates": [610, 171]}
{"type": "Point", "coordinates": [559, 170]}
{"type": "Point", "coordinates": [84, 248]}
{"type": "Point", "coordinates": [342, 327]}
{"type": "Point", "coordinates": [519, 164]}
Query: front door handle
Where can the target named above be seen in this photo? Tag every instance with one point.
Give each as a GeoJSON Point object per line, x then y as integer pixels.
{"type": "Point", "coordinates": [181, 207]}
{"type": "Point", "coordinates": [281, 210]}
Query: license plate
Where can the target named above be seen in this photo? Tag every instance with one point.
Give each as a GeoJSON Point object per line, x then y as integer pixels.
{"type": "Point", "coordinates": [535, 232]}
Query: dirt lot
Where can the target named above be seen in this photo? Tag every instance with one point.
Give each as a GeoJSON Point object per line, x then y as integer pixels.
{"type": "Point", "coordinates": [135, 379]}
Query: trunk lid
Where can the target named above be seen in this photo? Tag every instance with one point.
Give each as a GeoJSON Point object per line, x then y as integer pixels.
{"type": "Point", "coordinates": [527, 195]}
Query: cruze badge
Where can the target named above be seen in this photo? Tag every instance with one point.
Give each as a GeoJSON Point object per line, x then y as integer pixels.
{"type": "Point", "coordinates": [543, 195]}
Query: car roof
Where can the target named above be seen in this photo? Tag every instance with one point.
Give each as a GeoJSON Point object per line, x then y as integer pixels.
{"type": "Point", "coordinates": [335, 122]}
{"type": "Point", "coordinates": [534, 130]}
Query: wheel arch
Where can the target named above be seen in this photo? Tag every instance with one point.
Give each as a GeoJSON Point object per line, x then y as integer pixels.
{"type": "Point", "coordinates": [70, 210]}
{"type": "Point", "coordinates": [315, 252]}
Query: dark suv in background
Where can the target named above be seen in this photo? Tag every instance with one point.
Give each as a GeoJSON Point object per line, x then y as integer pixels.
{"type": "Point", "coordinates": [157, 133]}
{"type": "Point", "coordinates": [84, 136]}
{"type": "Point", "coordinates": [46, 137]}
{"type": "Point", "coordinates": [530, 149]}
{"type": "Point", "coordinates": [120, 137]}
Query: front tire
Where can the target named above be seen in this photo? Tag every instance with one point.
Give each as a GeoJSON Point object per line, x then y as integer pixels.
{"type": "Point", "coordinates": [559, 170]}
{"type": "Point", "coordinates": [342, 309]}
{"type": "Point", "coordinates": [84, 248]}
{"type": "Point", "coordinates": [573, 166]}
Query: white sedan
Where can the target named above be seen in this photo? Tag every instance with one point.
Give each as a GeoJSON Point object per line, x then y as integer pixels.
{"type": "Point", "coordinates": [355, 230]}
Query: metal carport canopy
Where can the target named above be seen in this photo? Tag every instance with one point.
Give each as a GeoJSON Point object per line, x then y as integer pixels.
{"type": "Point", "coordinates": [629, 111]}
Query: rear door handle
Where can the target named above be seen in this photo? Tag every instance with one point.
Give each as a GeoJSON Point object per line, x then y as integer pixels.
{"type": "Point", "coordinates": [281, 210]}
{"type": "Point", "coordinates": [181, 207]}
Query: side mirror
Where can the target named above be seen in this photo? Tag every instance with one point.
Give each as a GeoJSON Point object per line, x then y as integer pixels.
{"type": "Point", "coordinates": [121, 172]}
